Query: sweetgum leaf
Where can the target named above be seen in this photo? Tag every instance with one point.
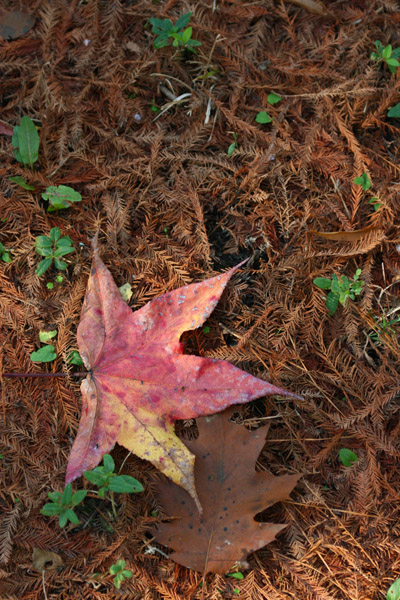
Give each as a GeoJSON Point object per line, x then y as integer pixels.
{"type": "Point", "coordinates": [140, 381]}
{"type": "Point", "coordinates": [231, 493]}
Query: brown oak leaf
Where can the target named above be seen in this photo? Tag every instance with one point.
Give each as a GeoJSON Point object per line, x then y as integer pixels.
{"type": "Point", "coordinates": [231, 493]}
{"type": "Point", "coordinates": [140, 381]}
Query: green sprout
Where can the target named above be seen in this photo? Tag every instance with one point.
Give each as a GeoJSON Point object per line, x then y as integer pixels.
{"type": "Point", "coordinates": [364, 181]}
{"type": "Point", "coordinates": [75, 358]}
{"type": "Point", "coordinates": [180, 34]}
{"type": "Point", "coordinates": [60, 197]}
{"type": "Point", "coordinates": [347, 457]}
{"type": "Point", "coordinates": [63, 504]}
{"type": "Point", "coordinates": [340, 289]}
{"type": "Point", "coordinates": [106, 480]}
{"type": "Point", "coordinates": [25, 141]}
{"type": "Point", "coordinates": [118, 569]}
{"type": "Point", "coordinates": [5, 254]}
{"type": "Point", "coordinates": [53, 247]}
{"type": "Point", "coordinates": [233, 146]}
{"type": "Point", "coordinates": [263, 117]}
{"type": "Point", "coordinates": [386, 54]}
{"type": "Point", "coordinates": [44, 354]}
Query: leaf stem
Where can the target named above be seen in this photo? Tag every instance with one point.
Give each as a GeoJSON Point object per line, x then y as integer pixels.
{"type": "Point", "coordinates": [79, 374]}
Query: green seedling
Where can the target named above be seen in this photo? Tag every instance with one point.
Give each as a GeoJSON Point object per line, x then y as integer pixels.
{"type": "Point", "coordinates": [180, 33]}
{"type": "Point", "coordinates": [364, 181]}
{"type": "Point", "coordinates": [233, 146]}
{"type": "Point", "coordinates": [5, 254]}
{"type": "Point", "coordinates": [238, 575]}
{"type": "Point", "coordinates": [46, 336]}
{"type": "Point", "coordinates": [375, 203]}
{"type": "Point", "coordinates": [384, 326]}
{"type": "Point", "coordinates": [53, 247]}
{"type": "Point", "coordinates": [263, 117]}
{"type": "Point", "coordinates": [273, 98]}
{"type": "Point", "coordinates": [21, 182]}
{"type": "Point", "coordinates": [154, 107]}
{"type": "Point", "coordinates": [118, 569]}
{"type": "Point", "coordinates": [340, 289]}
{"type": "Point", "coordinates": [126, 291]}
{"type": "Point", "coordinates": [386, 54]}
{"type": "Point", "coordinates": [60, 197]}
{"type": "Point", "coordinates": [75, 358]}
{"type": "Point", "coordinates": [25, 141]}
{"type": "Point", "coordinates": [393, 592]}
{"type": "Point", "coordinates": [106, 480]}
{"type": "Point", "coordinates": [206, 329]}
{"type": "Point", "coordinates": [347, 457]}
{"type": "Point", "coordinates": [44, 354]}
{"type": "Point", "coordinates": [63, 505]}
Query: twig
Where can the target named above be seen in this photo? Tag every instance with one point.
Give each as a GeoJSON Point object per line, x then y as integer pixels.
{"type": "Point", "coordinates": [79, 374]}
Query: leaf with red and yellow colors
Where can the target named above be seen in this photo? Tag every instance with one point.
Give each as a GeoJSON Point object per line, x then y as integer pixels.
{"type": "Point", "coordinates": [140, 381]}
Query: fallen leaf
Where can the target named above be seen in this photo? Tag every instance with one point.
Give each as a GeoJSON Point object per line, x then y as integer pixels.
{"type": "Point", "coordinates": [311, 5]}
{"type": "Point", "coordinates": [140, 381]}
{"type": "Point", "coordinates": [14, 23]}
{"type": "Point", "coordinates": [346, 236]}
{"type": "Point", "coordinates": [5, 129]}
{"type": "Point", "coordinates": [231, 493]}
{"type": "Point", "coordinates": [44, 560]}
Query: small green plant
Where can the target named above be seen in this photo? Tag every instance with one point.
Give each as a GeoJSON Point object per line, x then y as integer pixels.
{"type": "Point", "coordinates": [364, 181]}
{"type": "Point", "coordinates": [393, 592]}
{"type": "Point", "coordinates": [5, 254]}
{"type": "Point", "coordinates": [233, 146]}
{"type": "Point", "coordinates": [340, 289]}
{"type": "Point", "coordinates": [386, 54]}
{"type": "Point", "coordinates": [44, 354]}
{"type": "Point", "coordinates": [46, 336]}
{"type": "Point", "coordinates": [237, 575]}
{"type": "Point", "coordinates": [25, 141]}
{"type": "Point", "coordinates": [384, 326]}
{"type": "Point", "coordinates": [21, 182]}
{"type": "Point", "coordinates": [156, 109]}
{"type": "Point", "coordinates": [106, 480]}
{"type": "Point", "coordinates": [53, 247]}
{"type": "Point", "coordinates": [60, 197]}
{"type": "Point", "coordinates": [118, 569]}
{"type": "Point", "coordinates": [63, 504]}
{"type": "Point", "coordinates": [126, 291]}
{"type": "Point", "coordinates": [263, 117]}
{"type": "Point", "coordinates": [273, 98]}
{"type": "Point", "coordinates": [75, 358]}
{"type": "Point", "coordinates": [347, 457]}
{"type": "Point", "coordinates": [180, 33]}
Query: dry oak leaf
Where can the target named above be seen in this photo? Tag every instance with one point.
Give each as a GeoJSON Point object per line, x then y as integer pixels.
{"type": "Point", "coordinates": [140, 381]}
{"type": "Point", "coordinates": [231, 492]}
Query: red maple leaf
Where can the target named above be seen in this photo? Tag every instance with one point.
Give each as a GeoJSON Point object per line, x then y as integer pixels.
{"type": "Point", "coordinates": [140, 381]}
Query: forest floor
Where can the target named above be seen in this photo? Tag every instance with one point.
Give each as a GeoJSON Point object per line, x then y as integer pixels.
{"type": "Point", "coordinates": [177, 203]}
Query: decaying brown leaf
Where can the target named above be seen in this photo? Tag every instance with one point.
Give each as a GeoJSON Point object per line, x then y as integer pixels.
{"type": "Point", "coordinates": [15, 23]}
{"type": "Point", "coordinates": [45, 560]}
{"type": "Point", "coordinates": [311, 5]}
{"type": "Point", "coordinates": [231, 493]}
{"type": "Point", "coordinates": [346, 236]}
{"type": "Point", "coordinates": [5, 129]}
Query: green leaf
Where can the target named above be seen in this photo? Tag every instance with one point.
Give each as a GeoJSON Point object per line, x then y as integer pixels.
{"type": "Point", "coordinates": [60, 264]}
{"type": "Point", "coordinates": [231, 149]}
{"type": "Point", "coordinates": [323, 283]}
{"type": "Point", "coordinates": [55, 234]}
{"type": "Point", "coordinates": [43, 241]}
{"type": "Point", "coordinates": [78, 497]}
{"type": "Point", "coordinates": [183, 21]}
{"type": "Point", "coordinates": [6, 257]}
{"type": "Point", "coordinates": [45, 336]}
{"type": "Point", "coordinates": [364, 181]}
{"type": "Point", "coordinates": [126, 291]}
{"type": "Point", "coordinates": [393, 592]}
{"type": "Point", "coordinates": [387, 51]}
{"type": "Point", "coordinates": [21, 182]}
{"type": "Point", "coordinates": [44, 354]}
{"type": "Point", "coordinates": [95, 477]}
{"type": "Point", "coordinates": [71, 516]}
{"type": "Point", "coordinates": [357, 274]}
{"type": "Point", "coordinates": [332, 302]}
{"type": "Point", "coordinates": [108, 463]}
{"type": "Point", "coordinates": [55, 496]}
{"type": "Point", "coordinates": [263, 117]}
{"type": "Point", "coordinates": [335, 287]}
{"type": "Point", "coordinates": [237, 575]}
{"type": "Point", "coordinates": [347, 457]}
{"type": "Point", "coordinates": [63, 250]}
{"type": "Point", "coordinates": [75, 358]}
{"type": "Point", "coordinates": [117, 582]}
{"type": "Point", "coordinates": [273, 98]}
{"type": "Point", "coordinates": [50, 510]}
{"type": "Point", "coordinates": [59, 278]}
{"type": "Point", "coordinates": [186, 35]}
{"type": "Point", "coordinates": [62, 521]}
{"type": "Point", "coordinates": [206, 329]}
{"type": "Point", "coordinates": [43, 266]}
{"type": "Point", "coordinates": [64, 241]}
{"type": "Point", "coordinates": [127, 574]}
{"type": "Point", "coordinates": [125, 484]}
{"type": "Point", "coordinates": [28, 141]}
{"type": "Point", "coordinates": [393, 62]}
{"type": "Point", "coordinates": [117, 567]}
{"type": "Point", "coordinates": [394, 112]}
{"type": "Point", "coordinates": [60, 197]}
{"type": "Point", "coordinates": [67, 495]}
